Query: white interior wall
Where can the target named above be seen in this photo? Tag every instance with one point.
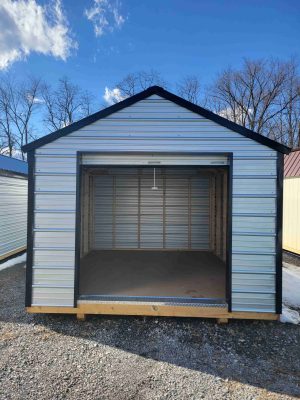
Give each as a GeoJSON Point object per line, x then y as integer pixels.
{"type": "Point", "coordinates": [128, 214]}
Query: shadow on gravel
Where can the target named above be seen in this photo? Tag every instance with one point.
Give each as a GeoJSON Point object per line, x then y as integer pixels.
{"type": "Point", "coordinates": [257, 353]}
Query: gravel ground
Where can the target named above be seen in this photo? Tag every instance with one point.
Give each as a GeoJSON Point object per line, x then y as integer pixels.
{"type": "Point", "coordinates": [58, 357]}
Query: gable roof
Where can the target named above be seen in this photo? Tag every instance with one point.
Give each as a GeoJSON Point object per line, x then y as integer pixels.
{"type": "Point", "coordinates": [14, 165]}
{"type": "Point", "coordinates": [292, 164]}
{"type": "Point", "coordinates": [168, 96]}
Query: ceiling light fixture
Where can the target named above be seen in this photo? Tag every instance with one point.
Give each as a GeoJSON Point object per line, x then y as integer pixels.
{"type": "Point", "coordinates": [154, 187]}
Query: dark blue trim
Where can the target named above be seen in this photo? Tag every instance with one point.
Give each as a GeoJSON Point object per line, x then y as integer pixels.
{"type": "Point", "coordinates": [30, 225]}
{"type": "Point", "coordinates": [229, 235]}
{"type": "Point", "coordinates": [79, 170]}
{"type": "Point", "coordinates": [77, 228]}
{"type": "Point", "coordinates": [279, 211]}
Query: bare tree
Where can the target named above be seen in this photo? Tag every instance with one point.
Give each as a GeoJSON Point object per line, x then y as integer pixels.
{"type": "Point", "coordinates": [20, 101]}
{"type": "Point", "coordinates": [62, 104]}
{"type": "Point", "coordinates": [17, 104]}
{"type": "Point", "coordinates": [256, 95]}
{"type": "Point", "coordinates": [24, 102]}
{"type": "Point", "coordinates": [65, 104]}
{"type": "Point", "coordinates": [189, 89]}
{"type": "Point", "coordinates": [138, 81]}
{"type": "Point", "coordinates": [6, 124]}
{"type": "Point", "coordinates": [3, 146]}
{"type": "Point", "coordinates": [87, 104]}
{"type": "Point", "coordinates": [286, 125]}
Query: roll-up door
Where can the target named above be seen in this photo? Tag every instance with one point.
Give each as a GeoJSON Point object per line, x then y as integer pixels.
{"type": "Point", "coordinates": [164, 159]}
{"type": "Point", "coordinates": [129, 214]}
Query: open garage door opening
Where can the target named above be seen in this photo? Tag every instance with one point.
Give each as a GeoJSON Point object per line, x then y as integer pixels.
{"type": "Point", "coordinates": [153, 233]}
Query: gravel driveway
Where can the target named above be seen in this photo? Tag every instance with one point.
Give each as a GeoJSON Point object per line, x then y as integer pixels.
{"type": "Point", "coordinates": [57, 357]}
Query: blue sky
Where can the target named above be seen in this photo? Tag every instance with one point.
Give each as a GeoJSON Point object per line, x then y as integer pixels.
{"type": "Point", "coordinates": [175, 37]}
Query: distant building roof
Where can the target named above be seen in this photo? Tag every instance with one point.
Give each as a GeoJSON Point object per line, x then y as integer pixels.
{"type": "Point", "coordinates": [292, 164]}
{"type": "Point", "coordinates": [13, 165]}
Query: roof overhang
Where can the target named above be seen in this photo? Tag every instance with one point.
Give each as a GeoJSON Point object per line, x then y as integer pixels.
{"type": "Point", "coordinates": [168, 96]}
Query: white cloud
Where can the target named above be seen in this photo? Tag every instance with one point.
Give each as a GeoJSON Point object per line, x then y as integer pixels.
{"type": "Point", "coordinates": [238, 115]}
{"type": "Point", "coordinates": [35, 100]}
{"type": "Point", "coordinates": [28, 27]}
{"type": "Point", "coordinates": [38, 100]}
{"type": "Point", "coordinates": [105, 16]}
{"type": "Point", "coordinates": [15, 152]}
{"type": "Point", "coordinates": [112, 96]}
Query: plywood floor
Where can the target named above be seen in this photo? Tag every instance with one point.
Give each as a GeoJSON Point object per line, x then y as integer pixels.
{"type": "Point", "coordinates": [193, 274]}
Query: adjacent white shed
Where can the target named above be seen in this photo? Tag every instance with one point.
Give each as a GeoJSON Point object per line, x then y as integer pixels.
{"type": "Point", "coordinates": [155, 206]}
{"type": "Point", "coordinates": [13, 207]}
{"type": "Point", "coordinates": [291, 203]}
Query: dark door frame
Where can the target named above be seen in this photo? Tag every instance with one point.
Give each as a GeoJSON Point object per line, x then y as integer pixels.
{"type": "Point", "coordinates": [229, 166]}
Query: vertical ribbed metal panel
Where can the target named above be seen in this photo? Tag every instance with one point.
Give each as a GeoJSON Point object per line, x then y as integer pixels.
{"type": "Point", "coordinates": [103, 212]}
{"type": "Point", "coordinates": [125, 204]}
{"type": "Point", "coordinates": [291, 214]}
{"type": "Point", "coordinates": [128, 214]}
{"type": "Point", "coordinates": [152, 219]}
{"type": "Point", "coordinates": [13, 214]}
{"type": "Point", "coordinates": [157, 125]}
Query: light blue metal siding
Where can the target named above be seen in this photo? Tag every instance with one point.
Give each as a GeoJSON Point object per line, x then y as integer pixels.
{"type": "Point", "coordinates": [158, 125]}
{"type": "Point", "coordinates": [13, 214]}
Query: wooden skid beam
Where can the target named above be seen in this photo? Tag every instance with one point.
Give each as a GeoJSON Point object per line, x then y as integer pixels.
{"type": "Point", "coordinates": [291, 249]}
{"type": "Point", "coordinates": [152, 310]}
{"type": "Point", "coordinates": [222, 320]}
{"type": "Point", "coordinates": [51, 310]}
{"type": "Point", "coordinates": [13, 252]}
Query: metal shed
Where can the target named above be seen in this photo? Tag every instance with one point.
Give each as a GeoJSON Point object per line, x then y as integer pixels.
{"type": "Point", "coordinates": [155, 206]}
{"type": "Point", "coordinates": [291, 208]}
{"type": "Point", "coordinates": [13, 208]}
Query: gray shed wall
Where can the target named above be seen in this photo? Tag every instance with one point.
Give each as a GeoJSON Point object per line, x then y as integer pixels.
{"type": "Point", "coordinates": [13, 214]}
{"type": "Point", "coordinates": [156, 125]}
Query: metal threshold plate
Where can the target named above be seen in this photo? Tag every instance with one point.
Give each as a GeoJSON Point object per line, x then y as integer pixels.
{"type": "Point", "coordinates": [171, 301]}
